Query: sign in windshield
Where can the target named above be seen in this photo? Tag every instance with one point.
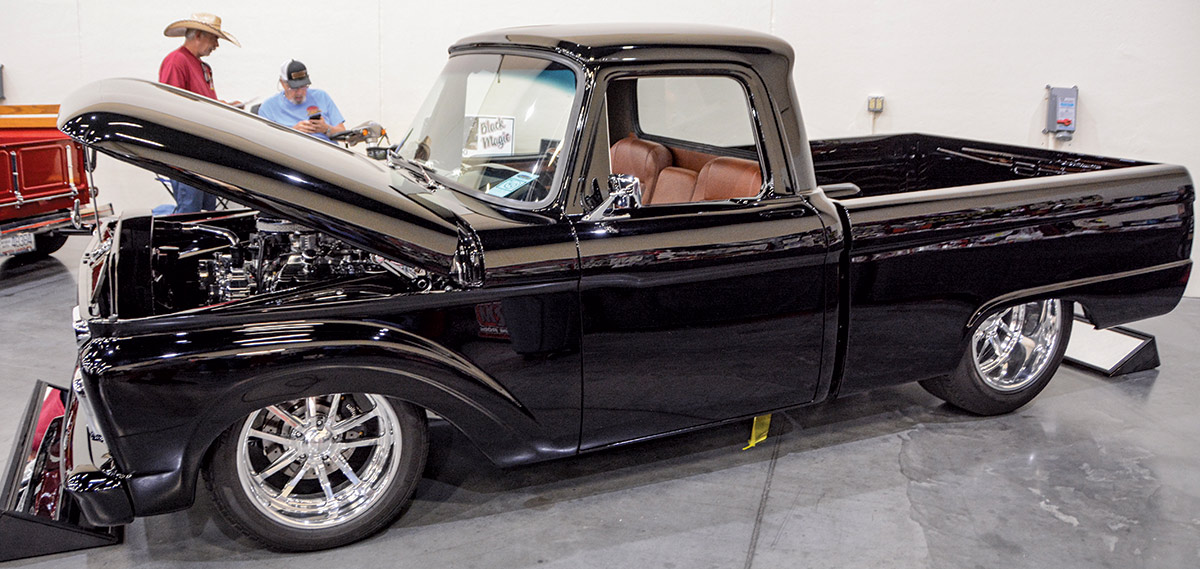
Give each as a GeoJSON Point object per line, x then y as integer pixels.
{"type": "Point", "coordinates": [489, 136]}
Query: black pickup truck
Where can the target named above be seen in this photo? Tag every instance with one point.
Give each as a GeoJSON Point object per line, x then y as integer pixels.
{"type": "Point", "coordinates": [590, 236]}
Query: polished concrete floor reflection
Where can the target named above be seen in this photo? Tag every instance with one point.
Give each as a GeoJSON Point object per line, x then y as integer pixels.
{"type": "Point", "coordinates": [1095, 472]}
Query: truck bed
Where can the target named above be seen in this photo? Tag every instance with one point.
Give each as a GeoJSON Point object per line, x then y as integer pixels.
{"type": "Point", "coordinates": [945, 226]}
{"type": "Point", "coordinates": [901, 163]}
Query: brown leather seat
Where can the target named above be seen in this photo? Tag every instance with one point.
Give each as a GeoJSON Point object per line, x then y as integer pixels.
{"type": "Point", "coordinates": [726, 178]}
{"type": "Point", "coordinates": [640, 158]}
{"type": "Point", "coordinates": [675, 185]}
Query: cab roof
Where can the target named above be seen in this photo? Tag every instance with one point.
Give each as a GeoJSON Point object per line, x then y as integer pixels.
{"type": "Point", "coordinates": [601, 42]}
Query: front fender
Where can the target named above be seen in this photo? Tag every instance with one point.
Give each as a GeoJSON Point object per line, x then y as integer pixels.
{"type": "Point", "coordinates": [164, 398]}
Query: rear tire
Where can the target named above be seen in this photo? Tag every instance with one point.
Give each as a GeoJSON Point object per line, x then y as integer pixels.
{"type": "Point", "coordinates": [48, 243]}
{"type": "Point", "coordinates": [319, 472]}
{"type": "Point", "coordinates": [1011, 356]}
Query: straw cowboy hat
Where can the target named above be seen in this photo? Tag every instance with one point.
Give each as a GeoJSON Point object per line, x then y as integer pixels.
{"type": "Point", "coordinates": [200, 21]}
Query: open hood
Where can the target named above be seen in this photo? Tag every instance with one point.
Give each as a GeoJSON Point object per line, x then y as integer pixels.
{"type": "Point", "coordinates": [274, 169]}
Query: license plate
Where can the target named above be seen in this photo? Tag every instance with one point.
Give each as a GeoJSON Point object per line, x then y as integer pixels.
{"type": "Point", "coordinates": [14, 244]}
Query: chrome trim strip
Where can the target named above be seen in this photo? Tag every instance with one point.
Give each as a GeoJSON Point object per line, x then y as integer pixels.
{"type": "Point", "coordinates": [88, 448]}
{"type": "Point", "coordinates": [80, 325]}
{"type": "Point", "coordinates": [16, 178]}
{"type": "Point", "coordinates": [71, 170]}
{"type": "Point", "coordinates": [1058, 183]}
{"type": "Point", "coordinates": [22, 201]}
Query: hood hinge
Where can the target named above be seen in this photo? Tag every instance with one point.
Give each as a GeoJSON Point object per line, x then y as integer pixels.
{"type": "Point", "coordinates": [467, 267]}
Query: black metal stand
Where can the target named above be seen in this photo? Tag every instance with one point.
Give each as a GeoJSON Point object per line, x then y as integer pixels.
{"type": "Point", "coordinates": [36, 516]}
{"type": "Point", "coordinates": [1112, 352]}
{"type": "Point", "coordinates": [23, 535]}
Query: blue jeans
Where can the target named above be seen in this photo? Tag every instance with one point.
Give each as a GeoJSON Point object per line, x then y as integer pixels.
{"type": "Point", "coordinates": [189, 199]}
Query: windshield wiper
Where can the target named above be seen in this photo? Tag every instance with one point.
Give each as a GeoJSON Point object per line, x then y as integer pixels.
{"type": "Point", "coordinates": [412, 165]}
{"type": "Point", "coordinates": [420, 173]}
{"type": "Point", "coordinates": [429, 181]}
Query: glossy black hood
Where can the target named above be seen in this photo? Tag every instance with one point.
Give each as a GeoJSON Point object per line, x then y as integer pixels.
{"type": "Point", "coordinates": [276, 170]}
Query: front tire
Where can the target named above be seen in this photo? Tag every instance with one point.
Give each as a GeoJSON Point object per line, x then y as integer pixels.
{"type": "Point", "coordinates": [319, 472]}
{"type": "Point", "coordinates": [1011, 357]}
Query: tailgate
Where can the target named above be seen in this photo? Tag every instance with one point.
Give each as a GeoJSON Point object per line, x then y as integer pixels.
{"type": "Point", "coordinates": [41, 169]}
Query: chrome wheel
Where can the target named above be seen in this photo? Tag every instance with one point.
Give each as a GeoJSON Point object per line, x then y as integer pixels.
{"type": "Point", "coordinates": [1012, 348]}
{"type": "Point", "coordinates": [319, 462]}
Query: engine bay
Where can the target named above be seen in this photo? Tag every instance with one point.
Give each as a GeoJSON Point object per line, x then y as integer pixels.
{"type": "Point", "coordinates": [239, 256]}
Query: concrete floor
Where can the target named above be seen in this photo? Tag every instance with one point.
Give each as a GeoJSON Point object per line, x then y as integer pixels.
{"type": "Point", "coordinates": [1094, 473]}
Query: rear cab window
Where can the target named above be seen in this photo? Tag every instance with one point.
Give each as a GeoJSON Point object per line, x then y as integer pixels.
{"type": "Point", "coordinates": [708, 111]}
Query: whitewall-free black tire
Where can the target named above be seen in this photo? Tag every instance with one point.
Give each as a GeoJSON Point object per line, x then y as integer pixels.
{"type": "Point", "coordinates": [318, 472]}
{"type": "Point", "coordinates": [1011, 356]}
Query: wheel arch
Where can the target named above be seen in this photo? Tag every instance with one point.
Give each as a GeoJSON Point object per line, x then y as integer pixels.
{"type": "Point", "coordinates": [175, 407]}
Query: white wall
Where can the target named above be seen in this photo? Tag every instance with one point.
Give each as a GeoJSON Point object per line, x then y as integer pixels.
{"type": "Point", "coordinates": [968, 69]}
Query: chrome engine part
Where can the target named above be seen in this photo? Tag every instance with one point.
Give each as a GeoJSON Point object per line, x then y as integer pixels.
{"type": "Point", "coordinates": [226, 281]}
{"type": "Point", "coordinates": [283, 255]}
{"type": "Point", "coordinates": [290, 255]}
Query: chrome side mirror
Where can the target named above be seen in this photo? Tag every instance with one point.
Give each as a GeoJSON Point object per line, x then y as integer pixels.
{"type": "Point", "coordinates": [628, 191]}
{"type": "Point", "coordinates": [624, 194]}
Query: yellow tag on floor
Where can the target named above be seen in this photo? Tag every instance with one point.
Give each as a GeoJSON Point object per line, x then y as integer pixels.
{"type": "Point", "coordinates": [758, 433]}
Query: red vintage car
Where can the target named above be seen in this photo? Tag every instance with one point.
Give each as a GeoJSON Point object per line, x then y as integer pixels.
{"type": "Point", "coordinates": [43, 182]}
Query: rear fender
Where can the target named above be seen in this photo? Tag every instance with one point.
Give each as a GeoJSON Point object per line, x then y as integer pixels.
{"type": "Point", "coordinates": [1109, 300]}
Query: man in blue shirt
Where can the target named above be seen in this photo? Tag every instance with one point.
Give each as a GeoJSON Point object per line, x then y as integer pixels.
{"type": "Point", "coordinates": [310, 111]}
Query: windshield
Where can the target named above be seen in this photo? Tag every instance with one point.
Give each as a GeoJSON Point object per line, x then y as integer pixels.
{"type": "Point", "coordinates": [495, 124]}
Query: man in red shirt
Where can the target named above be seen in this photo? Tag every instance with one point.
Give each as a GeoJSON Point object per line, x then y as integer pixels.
{"type": "Point", "coordinates": [182, 68]}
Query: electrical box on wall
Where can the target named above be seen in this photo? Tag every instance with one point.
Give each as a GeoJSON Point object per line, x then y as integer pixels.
{"type": "Point", "coordinates": [1060, 111]}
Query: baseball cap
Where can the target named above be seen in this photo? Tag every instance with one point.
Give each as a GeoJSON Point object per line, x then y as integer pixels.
{"type": "Point", "coordinates": [294, 74]}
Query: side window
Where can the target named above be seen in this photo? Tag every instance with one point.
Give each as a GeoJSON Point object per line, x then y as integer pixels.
{"type": "Point", "coordinates": [687, 138]}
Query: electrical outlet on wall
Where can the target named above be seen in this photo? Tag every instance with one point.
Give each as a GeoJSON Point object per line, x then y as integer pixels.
{"type": "Point", "coordinates": [875, 103]}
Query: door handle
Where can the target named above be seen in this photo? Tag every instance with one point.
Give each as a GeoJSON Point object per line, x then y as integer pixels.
{"type": "Point", "coordinates": [788, 213]}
